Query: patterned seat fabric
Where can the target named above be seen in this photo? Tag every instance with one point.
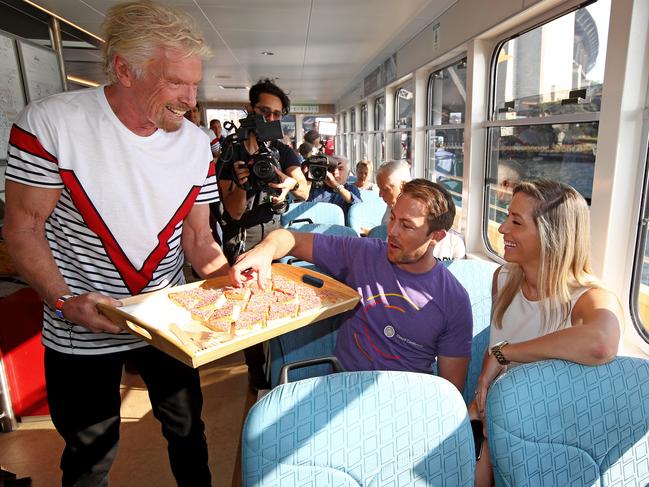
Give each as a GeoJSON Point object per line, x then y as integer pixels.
{"type": "Point", "coordinates": [476, 276]}
{"type": "Point", "coordinates": [313, 341]}
{"type": "Point", "coordinates": [367, 428]}
{"type": "Point", "coordinates": [557, 423]}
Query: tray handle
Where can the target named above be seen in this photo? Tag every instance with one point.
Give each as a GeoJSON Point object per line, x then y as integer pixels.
{"type": "Point", "coordinates": [150, 334]}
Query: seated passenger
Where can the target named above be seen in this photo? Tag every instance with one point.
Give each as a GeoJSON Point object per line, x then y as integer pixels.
{"type": "Point", "coordinates": [390, 178]}
{"type": "Point", "coordinates": [334, 189]}
{"type": "Point", "coordinates": [364, 176]}
{"type": "Point", "coordinates": [313, 138]}
{"type": "Point", "coordinates": [304, 151]}
{"type": "Point", "coordinates": [450, 247]}
{"type": "Point", "coordinates": [548, 304]}
{"type": "Point", "coordinates": [412, 311]}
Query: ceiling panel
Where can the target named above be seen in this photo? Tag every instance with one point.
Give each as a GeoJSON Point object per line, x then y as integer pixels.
{"type": "Point", "coordinates": [320, 46]}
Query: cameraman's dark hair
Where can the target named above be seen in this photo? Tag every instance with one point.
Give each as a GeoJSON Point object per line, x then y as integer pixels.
{"type": "Point", "coordinates": [311, 136]}
{"type": "Point", "coordinates": [305, 149]}
{"type": "Point", "coordinates": [267, 85]}
{"type": "Point", "coordinates": [438, 201]}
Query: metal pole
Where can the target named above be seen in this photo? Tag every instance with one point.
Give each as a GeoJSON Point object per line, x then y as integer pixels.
{"type": "Point", "coordinates": [7, 417]}
{"type": "Point", "coordinates": [57, 45]}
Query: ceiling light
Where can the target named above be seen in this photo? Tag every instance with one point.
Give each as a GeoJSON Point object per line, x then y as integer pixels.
{"type": "Point", "coordinates": [82, 81]}
{"type": "Point", "coordinates": [268, 53]}
{"type": "Point", "coordinates": [49, 12]}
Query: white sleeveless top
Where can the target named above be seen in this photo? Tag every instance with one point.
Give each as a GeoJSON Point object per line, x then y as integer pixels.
{"type": "Point", "coordinates": [522, 320]}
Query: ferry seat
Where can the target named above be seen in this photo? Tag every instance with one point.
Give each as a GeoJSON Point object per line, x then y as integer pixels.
{"type": "Point", "coordinates": [379, 231]}
{"type": "Point", "coordinates": [369, 195]}
{"type": "Point", "coordinates": [312, 212]}
{"type": "Point", "coordinates": [476, 277]}
{"type": "Point", "coordinates": [366, 214]}
{"type": "Point", "coordinates": [359, 428]}
{"type": "Point", "coordinates": [309, 342]}
{"type": "Point", "coordinates": [560, 423]}
{"type": "Point", "coordinates": [325, 229]}
{"type": "Point", "coordinates": [328, 229]}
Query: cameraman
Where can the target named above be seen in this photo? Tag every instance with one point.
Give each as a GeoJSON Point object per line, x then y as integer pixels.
{"type": "Point", "coordinates": [249, 215]}
{"type": "Point", "coordinates": [335, 190]}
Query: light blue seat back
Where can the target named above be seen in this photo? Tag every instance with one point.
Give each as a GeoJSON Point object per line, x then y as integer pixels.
{"type": "Point", "coordinates": [476, 276]}
{"type": "Point", "coordinates": [313, 341]}
{"type": "Point", "coordinates": [561, 423]}
{"type": "Point", "coordinates": [367, 195]}
{"type": "Point", "coordinates": [317, 212]}
{"type": "Point", "coordinates": [366, 214]}
{"type": "Point", "coordinates": [380, 231]}
{"type": "Point", "coordinates": [328, 229]}
{"type": "Point", "coordinates": [371, 428]}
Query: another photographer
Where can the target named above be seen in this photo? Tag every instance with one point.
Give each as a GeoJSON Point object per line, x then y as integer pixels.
{"type": "Point", "coordinates": [333, 188]}
{"type": "Point", "coordinates": [249, 214]}
{"type": "Point", "coordinates": [252, 206]}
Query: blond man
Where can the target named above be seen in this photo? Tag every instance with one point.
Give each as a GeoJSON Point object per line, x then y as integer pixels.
{"type": "Point", "coordinates": [107, 191]}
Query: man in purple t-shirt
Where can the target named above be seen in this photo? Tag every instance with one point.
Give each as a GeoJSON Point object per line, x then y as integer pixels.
{"type": "Point", "coordinates": [412, 310]}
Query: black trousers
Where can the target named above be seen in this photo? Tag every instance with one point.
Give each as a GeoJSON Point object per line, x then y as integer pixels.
{"type": "Point", "coordinates": [84, 399]}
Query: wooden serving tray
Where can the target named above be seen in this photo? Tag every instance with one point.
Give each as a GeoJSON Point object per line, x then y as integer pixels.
{"type": "Point", "coordinates": [154, 318]}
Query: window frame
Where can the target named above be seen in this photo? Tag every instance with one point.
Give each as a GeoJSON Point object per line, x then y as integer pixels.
{"type": "Point", "coordinates": [492, 122]}
{"type": "Point", "coordinates": [641, 242]}
{"type": "Point", "coordinates": [426, 129]}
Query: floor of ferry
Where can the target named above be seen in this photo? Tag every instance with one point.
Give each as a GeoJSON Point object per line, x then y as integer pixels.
{"type": "Point", "coordinates": [34, 449]}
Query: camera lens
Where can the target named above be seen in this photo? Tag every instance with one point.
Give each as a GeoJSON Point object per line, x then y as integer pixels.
{"type": "Point", "coordinates": [263, 170]}
{"type": "Point", "coordinates": [318, 173]}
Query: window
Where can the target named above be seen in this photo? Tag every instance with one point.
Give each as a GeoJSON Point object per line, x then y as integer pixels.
{"type": "Point", "coordinates": [379, 113]}
{"type": "Point", "coordinates": [288, 129]}
{"type": "Point", "coordinates": [445, 130]}
{"type": "Point", "coordinates": [364, 136]}
{"type": "Point", "coordinates": [640, 286]}
{"type": "Point", "coordinates": [544, 111]}
{"type": "Point", "coordinates": [364, 117]}
{"type": "Point", "coordinates": [401, 137]}
{"type": "Point", "coordinates": [377, 138]}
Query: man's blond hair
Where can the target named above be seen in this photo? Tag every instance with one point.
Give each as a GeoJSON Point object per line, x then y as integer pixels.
{"type": "Point", "coordinates": [136, 30]}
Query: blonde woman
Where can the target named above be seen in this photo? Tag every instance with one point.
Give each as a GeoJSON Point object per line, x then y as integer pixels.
{"type": "Point", "coordinates": [364, 176]}
{"type": "Point", "coordinates": [547, 302]}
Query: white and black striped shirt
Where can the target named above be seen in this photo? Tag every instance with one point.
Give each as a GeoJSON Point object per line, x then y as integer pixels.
{"type": "Point", "coordinates": [117, 226]}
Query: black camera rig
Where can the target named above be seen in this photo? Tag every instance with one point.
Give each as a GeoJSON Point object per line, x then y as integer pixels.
{"type": "Point", "coordinates": [317, 166]}
{"type": "Point", "coordinates": [262, 163]}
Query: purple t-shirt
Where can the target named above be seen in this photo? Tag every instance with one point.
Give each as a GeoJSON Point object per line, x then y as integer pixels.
{"type": "Point", "coordinates": [404, 320]}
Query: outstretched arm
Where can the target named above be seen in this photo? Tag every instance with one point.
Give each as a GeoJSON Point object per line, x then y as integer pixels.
{"type": "Point", "coordinates": [592, 339]}
{"type": "Point", "coordinates": [277, 244]}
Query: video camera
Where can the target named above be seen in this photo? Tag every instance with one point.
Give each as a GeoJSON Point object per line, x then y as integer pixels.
{"type": "Point", "coordinates": [317, 166]}
{"type": "Point", "coordinates": [262, 164]}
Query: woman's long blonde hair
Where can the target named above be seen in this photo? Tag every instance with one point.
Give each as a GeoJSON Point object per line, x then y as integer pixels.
{"type": "Point", "coordinates": [563, 221]}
